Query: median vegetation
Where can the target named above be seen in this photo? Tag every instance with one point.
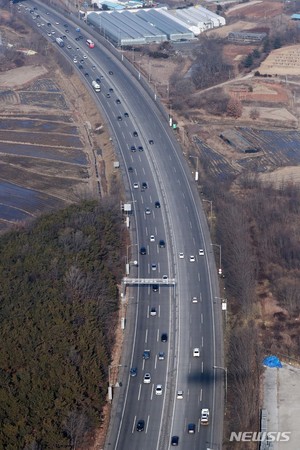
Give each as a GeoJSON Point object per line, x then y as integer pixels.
{"type": "Point", "coordinates": [59, 302]}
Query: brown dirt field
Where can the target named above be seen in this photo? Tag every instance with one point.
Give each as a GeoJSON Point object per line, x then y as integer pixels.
{"type": "Point", "coordinates": [264, 9]}
{"type": "Point", "coordinates": [16, 77]}
{"type": "Point", "coordinates": [261, 92]}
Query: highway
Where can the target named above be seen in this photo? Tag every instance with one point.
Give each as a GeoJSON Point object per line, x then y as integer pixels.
{"type": "Point", "coordinates": [150, 153]}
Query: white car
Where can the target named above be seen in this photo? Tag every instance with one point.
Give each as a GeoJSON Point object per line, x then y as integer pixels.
{"type": "Point", "coordinates": [84, 56]}
{"type": "Point", "coordinates": [53, 32]}
{"type": "Point", "coordinates": [194, 299]}
{"type": "Point", "coordinates": [192, 258]}
{"type": "Point", "coordinates": [181, 255]}
{"type": "Point", "coordinates": [196, 352]}
{"type": "Point", "coordinates": [56, 23]}
{"type": "Point", "coordinates": [135, 185]}
{"type": "Point", "coordinates": [153, 266]}
{"type": "Point", "coordinates": [161, 356]}
{"type": "Point", "coordinates": [49, 34]}
{"type": "Point", "coordinates": [179, 395]}
{"type": "Point", "coordinates": [159, 389]}
{"type": "Point", "coordinates": [152, 238]}
{"type": "Point", "coordinates": [153, 311]}
{"type": "Point", "coordinates": [204, 416]}
{"type": "Point", "coordinates": [69, 47]}
{"type": "Point", "coordinates": [147, 211]}
{"type": "Point", "coordinates": [147, 378]}
{"type": "Point", "coordinates": [75, 60]}
{"type": "Point", "coordinates": [201, 252]}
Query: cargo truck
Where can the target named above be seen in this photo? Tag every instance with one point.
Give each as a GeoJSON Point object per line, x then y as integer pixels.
{"type": "Point", "coordinates": [60, 42]}
{"type": "Point", "coordinates": [96, 86]}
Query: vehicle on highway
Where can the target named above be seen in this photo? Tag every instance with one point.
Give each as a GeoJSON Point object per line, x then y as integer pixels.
{"type": "Point", "coordinates": [86, 74]}
{"type": "Point", "coordinates": [126, 114]}
{"type": "Point", "coordinates": [194, 299]}
{"type": "Point", "coordinates": [143, 251]}
{"type": "Point", "coordinates": [69, 47]}
{"type": "Point", "coordinates": [49, 24]}
{"type": "Point", "coordinates": [204, 420]}
{"type": "Point", "coordinates": [133, 371]}
{"type": "Point", "coordinates": [144, 185]}
{"type": "Point", "coordinates": [181, 255]}
{"type": "Point", "coordinates": [153, 311]}
{"type": "Point", "coordinates": [161, 356]}
{"type": "Point", "coordinates": [164, 337]}
{"type": "Point", "coordinates": [179, 395]}
{"type": "Point", "coordinates": [201, 252]}
{"type": "Point", "coordinates": [135, 134]}
{"type": "Point", "coordinates": [130, 169]}
{"type": "Point", "coordinates": [98, 80]}
{"type": "Point", "coordinates": [192, 258]}
{"type": "Point", "coordinates": [147, 211]}
{"type": "Point", "coordinates": [110, 72]}
{"type": "Point", "coordinates": [191, 428]}
{"type": "Point", "coordinates": [147, 378]}
{"type": "Point", "coordinates": [84, 56]}
{"type": "Point", "coordinates": [56, 23]}
{"type": "Point", "coordinates": [133, 148]}
{"type": "Point", "coordinates": [157, 204]}
{"type": "Point", "coordinates": [135, 185]}
{"type": "Point", "coordinates": [159, 389]}
{"type": "Point", "coordinates": [174, 441]}
{"type": "Point", "coordinates": [80, 66]}
{"type": "Point", "coordinates": [77, 39]}
{"type": "Point", "coordinates": [152, 238]}
{"type": "Point", "coordinates": [94, 67]}
{"type": "Point", "coordinates": [111, 90]}
{"type": "Point", "coordinates": [140, 425]}
{"type": "Point", "coordinates": [65, 25]}
{"type": "Point", "coordinates": [49, 34]}
{"type": "Point", "coordinates": [52, 32]}
{"type": "Point", "coordinates": [165, 277]}
{"type": "Point", "coordinates": [75, 60]}
{"type": "Point", "coordinates": [140, 148]}
{"type": "Point", "coordinates": [196, 352]}
{"type": "Point", "coordinates": [108, 95]}
{"type": "Point", "coordinates": [162, 243]}
{"type": "Point", "coordinates": [155, 287]}
{"type": "Point", "coordinates": [118, 101]}
{"type": "Point", "coordinates": [146, 354]}
{"type": "Point", "coordinates": [90, 43]}
{"type": "Point", "coordinates": [96, 86]}
{"type": "Point", "coordinates": [153, 267]}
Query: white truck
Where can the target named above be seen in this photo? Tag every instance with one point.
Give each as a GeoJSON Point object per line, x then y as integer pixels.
{"type": "Point", "coordinates": [96, 86]}
{"type": "Point", "coordinates": [60, 42]}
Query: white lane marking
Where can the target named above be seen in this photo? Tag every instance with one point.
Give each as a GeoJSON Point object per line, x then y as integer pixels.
{"type": "Point", "coordinates": [148, 308]}
{"type": "Point", "coordinates": [133, 425]}
{"type": "Point", "coordinates": [202, 318]}
{"type": "Point", "coordinates": [146, 336]}
{"type": "Point", "coordinates": [202, 341]}
{"type": "Point", "coordinates": [143, 171]}
{"type": "Point", "coordinates": [152, 389]}
{"type": "Point", "coordinates": [147, 424]}
{"type": "Point", "coordinates": [158, 310]}
{"type": "Point", "coordinates": [200, 395]}
{"type": "Point", "coordinates": [202, 367]}
{"type": "Point", "coordinates": [157, 336]}
{"type": "Point", "coordinates": [139, 394]}
{"type": "Point", "coordinates": [155, 363]}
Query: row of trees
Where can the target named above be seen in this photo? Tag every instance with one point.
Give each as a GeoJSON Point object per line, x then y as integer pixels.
{"type": "Point", "coordinates": [59, 300]}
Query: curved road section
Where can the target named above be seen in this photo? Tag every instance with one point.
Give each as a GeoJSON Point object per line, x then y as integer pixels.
{"type": "Point", "coordinates": [173, 335]}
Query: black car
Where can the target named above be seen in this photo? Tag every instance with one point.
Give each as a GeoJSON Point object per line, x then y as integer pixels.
{"type": "Point", "coordinates": [133, 372]}
{"type": "Point", "coordinates": [98, 80]}
{"type": "Point", "coordinates": [162, 243]}
{"type": "Point", "coordinates": [130, 169]}
{"type": "Point", "coordinates": [118, 101]}
{"type": "Point", "coordinates": [119, 118]}
{"type": "Point", "coordinates": [77, 39]}
{"type": "Point", "coordinates": [65, 25]}
{"type": "Point", "coordinates": [135, 134]}
{"type": "Point", "coordinates": [80, 37]}
{"type": "Point", "coordinates": [146, 354]}
{"type": "Point", "coordinates": [38, 16]}
{"type": "Point", "coordinates": [80, 66]}
{"type": "Point", "coordinates": [144, 185]}
{"type": "Point", "coordinates": [132, 148]}
{"type": "Point", "coordinates": [143, 251]}
{"type": "Point", "coordinates": [126, 114]}
{"type": "Point", "coordinates": [86, 74]}
{"type": "Point", "coordinates": [110, 72]}
{"type": "Point", "coordinates": [155, 287]}
{"type": "Point", "coordinates": [111, 90]}
{"type": "Point", "coordinates": [140, 148]}
{"type": "Point", "coordinates": [151, 142]}
{"type": "Point", "coordinates": [64, 36]}
{"type": "Point", "coordinates": [157, 204]}
{"type": "Point", "coordinates": [191, 429]}
{"type": "Point", "coordinates": [175, 441]}
{"type": "Point", "coordinates": [108, 95]}
{"type": "Point", "coordinates": [164, 337]}
{"type": "Point", "coordinates": [49, 24]}
{"type": "Point", "coordinates": [140, 425]}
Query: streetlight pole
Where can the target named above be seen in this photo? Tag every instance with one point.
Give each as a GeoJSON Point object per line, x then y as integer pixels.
{"type": "Point", "coordinates": [225, 370]}
{"type": "Point", "coordinates": [220, 259]}
{"type": "Point", "coordinates": [211, 203]}
{"type": "Point", "coordinates": [197, 164]}
{"type": "Point", "coordinates": [110, 396]}
{"type": "Point", "coordinates": [127, 258]}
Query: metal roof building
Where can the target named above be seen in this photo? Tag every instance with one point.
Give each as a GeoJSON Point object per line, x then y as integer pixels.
{"type": "Point", "coordinates": [199, 17]}
{"type": "Point", "coordinates": [174, 30]}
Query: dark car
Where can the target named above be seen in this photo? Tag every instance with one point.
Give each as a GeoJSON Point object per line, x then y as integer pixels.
{"type": "Point", "coordinates": [110, 72]}
{"type": "Point", "coordinates": [64, 36]}
{"type": "Point", "coordinates": [164, 337]}
{"type": "Point", "coordinates": [108, 95]}
{"type": "Point", "coordinates": [80, 37]}
{"type": "Point", "coordinates": [133, 371]}
{"type": "Point", "coordinates": [146, 354]}
{"type": "Point", "coordinates": [86, 74]}
{"type": "Point", "coordinates": [135, 134]}
{"type": "Point", "coordinates": [126, 114]}
{"type": "Point", "coordinates": [38, 16]}
{"type": "Point", "coordinates": [49, 24]}
{"type": "Point", "coordinates": [157, 204]}
{"type": "Point", "coordinates": [118, 101]}
{"type": "Point", "coordinates": [65, 25]}
{"type": "Point", "coordinates": [144, 185]}
{"type": "Point", "coordinates": [130, 169]}
{"type": "Point", "coordinates": [151, 142]}
{"type": "Point", "coordinates": [67, 31]}
{"type": "Point", "coordinates": [140, 425]}
{"type": "Point", "coordinates": [77, 39]}
{"type": "Point", "coordinates": [132, 148]}
{"type": "Point", "coordinates": [119, 118]}
{"type": "Point", "coordinates": [98, 80]}
{"type": "Point", "coordinates": [111, 90]}
{"type": "Point", "coordinates": [175, 441]}
{"type": "Point", "coordinates": [155, 287]}
{"type": "Point", "coordinates": [140, 148]}
{"type": "Point", "coordinates": [191, 429]}
{"type": "Point", "coordinates": [143, 251]}
{"type": "Point", "coordinates": [162, 243]}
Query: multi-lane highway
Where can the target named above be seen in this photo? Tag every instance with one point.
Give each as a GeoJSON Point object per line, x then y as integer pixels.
{"type": "Point", "coordinates": [180, 320]}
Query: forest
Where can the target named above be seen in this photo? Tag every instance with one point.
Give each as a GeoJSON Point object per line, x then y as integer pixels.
{"type": "Point", "coordinates": [59, 304]}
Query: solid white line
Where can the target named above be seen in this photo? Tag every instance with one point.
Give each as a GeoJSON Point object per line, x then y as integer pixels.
{"type": "Point", "coordinates": [133, 425]}
{"type": "Point", "coordinates": [147, 424]}
{"type": "Point", "coordinates": [152, 389]}
{"type": "Point", "coordinates": [146, 336]}
{"type": "Point", "coordinates": [139, 394]}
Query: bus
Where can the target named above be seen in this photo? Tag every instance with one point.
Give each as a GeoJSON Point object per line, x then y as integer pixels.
{"type": "Point", "coordinates": [90, 43]}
